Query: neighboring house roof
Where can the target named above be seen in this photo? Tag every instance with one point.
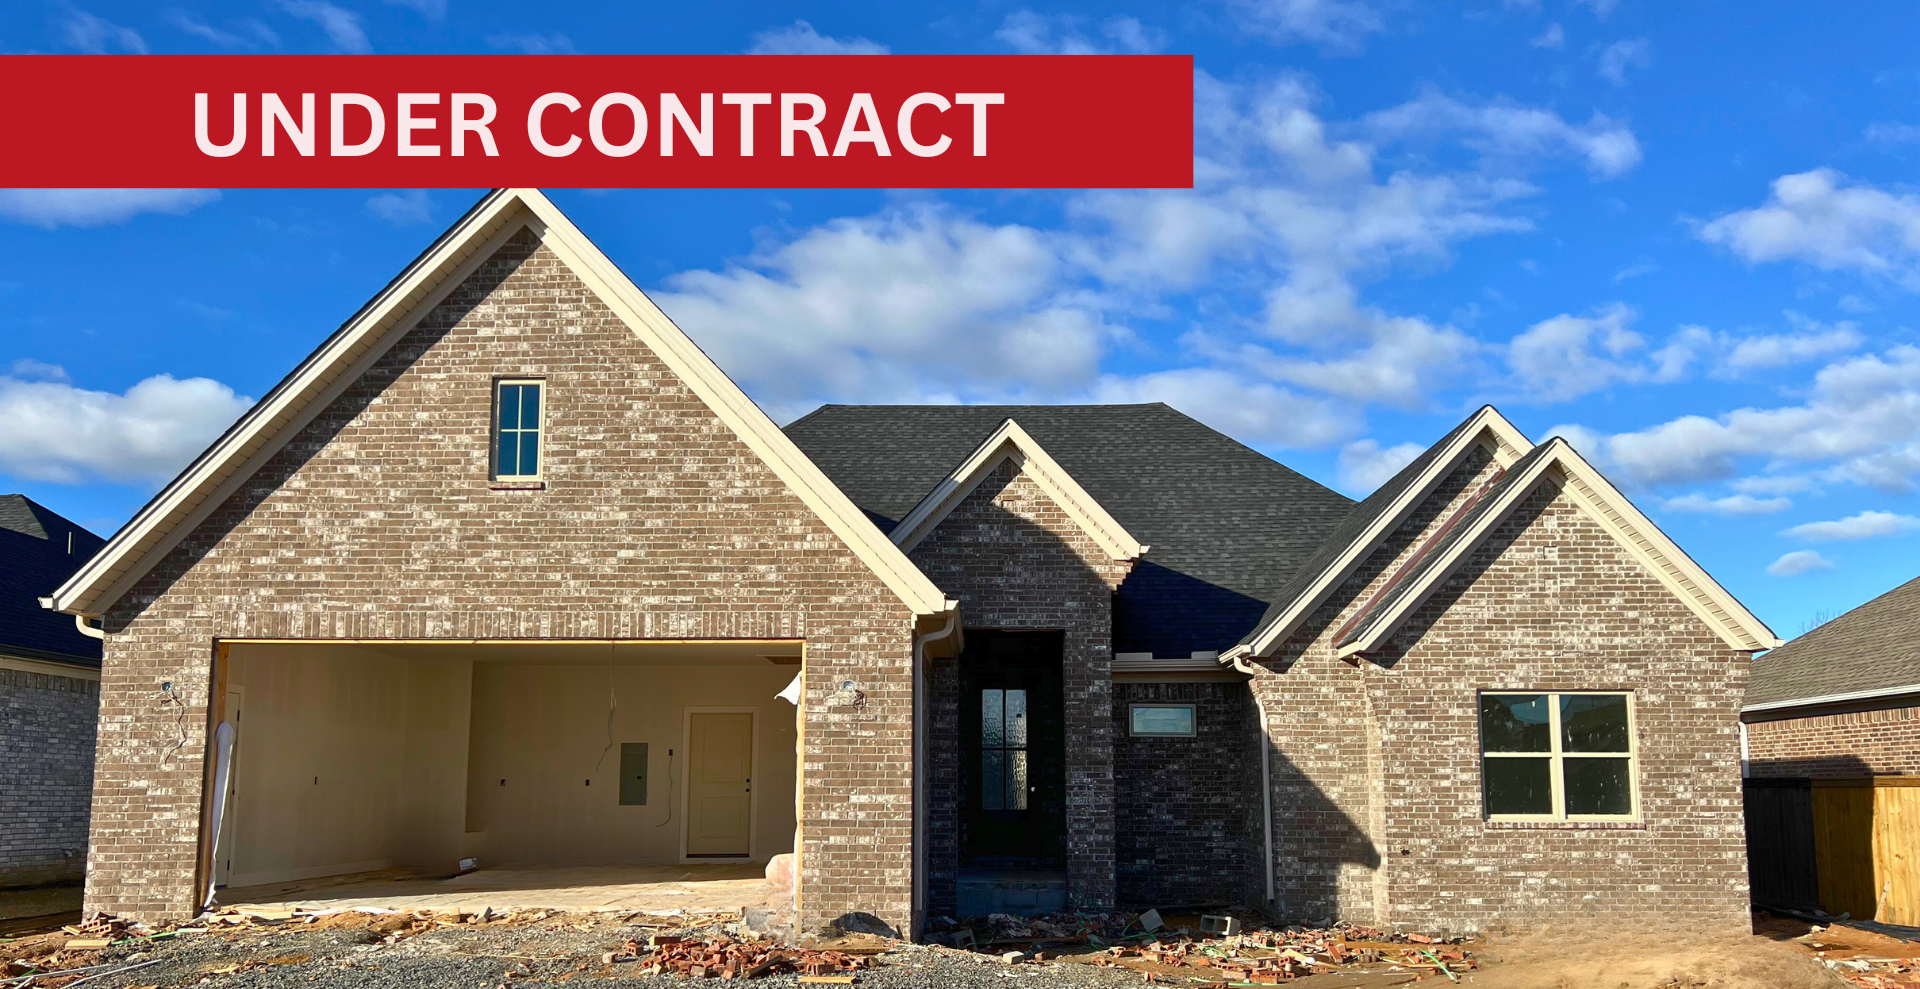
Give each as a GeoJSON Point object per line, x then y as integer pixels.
{"type": "Point", "coordinates": [1226, 524]}
{"type": "Point", "coordinates": [345, 355]}
{"type": "Point", "coordinates": [1376, 518]}
{"type": "Point", "coordinates": [1871, 651]}
{"type": "Point", "coordinates": [1012, 443]}
{"type": "Point", "coordinates": [39, 549]}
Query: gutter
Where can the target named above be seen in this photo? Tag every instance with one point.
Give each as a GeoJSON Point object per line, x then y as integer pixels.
{"type": "Point", "coordinates": [1235, 658]}
{"type": "Point", "coordinates": [1853, 695]}
{"type": "Point", "coordinates": [79, 622]}
{"type": "Point", "coordinates": [917, 920]}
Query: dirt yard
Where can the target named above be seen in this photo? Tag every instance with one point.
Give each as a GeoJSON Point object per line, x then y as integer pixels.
{"type": "Point", "coordinates": [375, 950]}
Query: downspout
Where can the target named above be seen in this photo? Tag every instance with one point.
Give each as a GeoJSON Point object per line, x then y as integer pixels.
{"type": "Point", "coordinates": [1237, 659]}
{"type": "Point", "coordinates": [80, 622]}
{"type": "Point", "coordinates": [918, 919]}
{"type": "Point", "coordinates": [1745, 755]}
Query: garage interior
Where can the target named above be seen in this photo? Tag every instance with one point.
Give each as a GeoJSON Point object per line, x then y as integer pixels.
{"type": "Point", "coordinates": [558, 766]}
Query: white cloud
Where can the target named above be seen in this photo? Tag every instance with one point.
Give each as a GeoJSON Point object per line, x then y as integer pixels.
{"type": "Point", "coordinates": [402, 208]}
{"type": "Point", "coordinates": [1567, 356]}
{"type": "Point", "coordinates": [435, 9]}
{"type": "Point", "coordinates": [1617, 58]}
{"type": "Point", "coordinates": [1335, 24]}
{"type": "Point", "coordinates": [96, 36]}
{"type": "Point", "coordinates": [1866, 525]}
{"type": "Point", "coordinates": [342, 26]}
{"type": "Point", "coordinates": [799, 38]}
{"type": "Point", "coordinates": [533, 44]}
{"type": "Point", "coordinates": [1798, 562]}
{"type": "Point", "coordinates": [1511, 131]}
{"type": "Point", "coordinates": [1365, 465]}
{"type": "Point", "coordinates": [1255, 412]}
{"type": "Point", "coordinates": [1601, 8]}
{"type": "Point", "coordinates": [57, 432]}
{"type": "Point", "coordinates": [249, 33]}
{"type": "Point", "coordinates": [28, 369]}
{"type": "Point", "coordinates": [1038, 34]}
{"type": "Point", "coordinates": [1823, 219]}
{"type": "Point", "coordinates": [1892, 133]}
{"type": "Point", "coordinates": [1635, 270]}
{"type": "Point", "coordinates": [1738, 504]}
{"type": "Point", "coordinates": [1724, 355]}
{"type": "Point", "coordinates": [1553, 37]}
{"type": "Point", "coordinates": [52, 208]}
{"type": "Point", "coordinates": [1774, 485]}
{"type": "Point", "coordinates": [1859, 425]}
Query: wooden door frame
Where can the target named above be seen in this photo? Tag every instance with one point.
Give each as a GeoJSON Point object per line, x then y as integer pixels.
{"type": "Point", "coordinates": [686, 781]}
{"type": "Point", "coordinates": [234, 700]}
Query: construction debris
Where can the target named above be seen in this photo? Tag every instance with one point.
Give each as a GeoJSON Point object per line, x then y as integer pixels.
{"type": "Point", "coordinates": [725, 958]}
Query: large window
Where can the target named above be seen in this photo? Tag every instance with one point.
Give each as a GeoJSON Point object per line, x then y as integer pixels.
{"type": "Point", "coordinates": [1558, 757]}
{"type": "Point", "coordinates": [517, 405]}
{"type": "Point", "coordinates": [1003, 750]}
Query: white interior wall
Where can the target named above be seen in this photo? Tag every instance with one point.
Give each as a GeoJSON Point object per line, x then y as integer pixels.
{"type": "Point", "coordinates": [348, 760]}
{"type": "Point", "coordinates": [542, 727]}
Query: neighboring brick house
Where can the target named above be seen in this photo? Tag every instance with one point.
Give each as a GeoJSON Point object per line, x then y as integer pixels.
{"type": "Point", "coordinates": [49, 698]}
{"type": "Point", "coordinates": [1842, 700]}
{"type": "Point", "coordinates": [1083, 656]}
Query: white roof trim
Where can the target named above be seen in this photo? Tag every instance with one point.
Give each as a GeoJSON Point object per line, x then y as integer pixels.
{"type": "Point", "coordinates": [1822, 699]}
{"type": "Point", "coordinates": [1487, 427]}
{"type": "Point", "coordinates": [1634, 531]}
{"type": "Point", "coordinates": [265, 428]}
{"type": "Point", "coordinates": [1010, 442]}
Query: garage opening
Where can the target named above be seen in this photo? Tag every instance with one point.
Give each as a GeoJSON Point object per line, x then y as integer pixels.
{"type": "Point", "coordinates": [549, 766]}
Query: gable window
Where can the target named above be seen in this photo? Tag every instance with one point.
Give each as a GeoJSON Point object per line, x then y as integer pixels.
{"type": "Point", "coordinates": [1558, 757]}
{"type": "Point", "coordinates": [516, 429]}
{"type": "Point", "coordinates": [1161, 720]}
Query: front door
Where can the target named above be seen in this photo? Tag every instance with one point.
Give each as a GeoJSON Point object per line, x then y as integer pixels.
{"type": "Point", "coordinates": [719, 785]}
{"type": "Point", "coordinates": [1013, 742]}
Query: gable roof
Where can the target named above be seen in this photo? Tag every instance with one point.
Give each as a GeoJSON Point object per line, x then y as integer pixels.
{"type": "Point", "coordinates": [1455, 537]}
{"type": "Point", "coordinates": [1373, 520]}
{"type": "Point", "coordinates": [38, 549]}
{"type": "Point", "coordinates": [1227, 524]}
{"type": "Point", "coordinates": [1873, 650]}
{"type": "Point", "coordinates": [1011, 442]}
{"type": "Point", "coordinates": [331, 368]}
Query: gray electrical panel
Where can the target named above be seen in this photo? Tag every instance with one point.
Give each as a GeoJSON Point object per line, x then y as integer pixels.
{"type": "Point", "coordinates": [633, 773]}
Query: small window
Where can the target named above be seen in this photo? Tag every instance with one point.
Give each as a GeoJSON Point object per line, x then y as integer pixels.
{"type": "Point", "coordinates": [1163, 720]}
{"type": "Point", "coordinates": [1558, 757]}
{"type": "Point", "coordinates": [516, 446]}
{"type": "Point", "coordinates": [1003, 750]}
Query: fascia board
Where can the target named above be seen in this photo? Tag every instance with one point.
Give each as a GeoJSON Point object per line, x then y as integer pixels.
{"type": "Point", "coordinates": [1517, 489]}
{"type": "Point", "coordinates": [1487, 426]}
{"type": "Point", "coordinates": [692, 365]}
{"type": "Point", "coordinates": [1670, 564]}
{"type": "Point", "coordinates": [238, 453]}
{"type": "Point", "coordinates": [1842, 698]}
{"type": "Point", "coordinates": [1011, 441]}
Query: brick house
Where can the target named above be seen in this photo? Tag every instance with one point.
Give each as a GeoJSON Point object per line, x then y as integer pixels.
{"type": "Point", "coordinates": [508, 519]}
{"type": "Point", "coordinates": [49, 695]}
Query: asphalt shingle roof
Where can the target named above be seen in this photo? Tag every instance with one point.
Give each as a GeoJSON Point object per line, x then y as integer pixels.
{"type": "Point", "coordinates": [1227, 525]}
{"type": "Point", "coordinates": [33, 561]}
{"type": "Point", "coordinates": [1873, 647]}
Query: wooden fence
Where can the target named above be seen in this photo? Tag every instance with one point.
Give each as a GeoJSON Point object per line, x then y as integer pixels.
{"type": "Point", "coordinates": [1848, 846]}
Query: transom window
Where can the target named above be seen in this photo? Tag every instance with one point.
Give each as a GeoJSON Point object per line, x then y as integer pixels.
{"type": "Point", "coordinates": [1003, 750]}
{"type": "Point", "coordinates": [517, 408]}
{"type": "Point", "coordinates": [1161, 720]}
{"type": "Point", "coordinates": [1558, 757]}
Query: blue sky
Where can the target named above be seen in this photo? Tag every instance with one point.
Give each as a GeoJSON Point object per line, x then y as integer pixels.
{"type": "Point", "coordinates": [1683, 235]}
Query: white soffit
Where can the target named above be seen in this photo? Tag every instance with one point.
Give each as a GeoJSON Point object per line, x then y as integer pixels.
{"type": "Point", "coordinates": [267, 427]}
{"type": "Point", "coordinates": [1011, 442]}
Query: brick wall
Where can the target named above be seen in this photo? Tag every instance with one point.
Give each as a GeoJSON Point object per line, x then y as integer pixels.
{"type": "Point", "coordinates": [1853, 743]}
{"type": "Point", "coordinates": [46, 775]}
{"type": "Point", "coordinates": [1015, 560]}
{"type": "Point", "coordinates": [379, 521]}
{"type": "Point", "coordinates": [1549, 602]}
{"type": "Point", "coordinates": [1186, 810]}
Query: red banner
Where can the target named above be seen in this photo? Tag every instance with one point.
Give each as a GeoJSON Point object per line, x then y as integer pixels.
{"type": "Point", "coordinates": [734, 121]}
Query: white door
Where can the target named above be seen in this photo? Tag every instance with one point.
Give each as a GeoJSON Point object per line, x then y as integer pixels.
{"type": "Point", "coordinates": [719, 785]}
